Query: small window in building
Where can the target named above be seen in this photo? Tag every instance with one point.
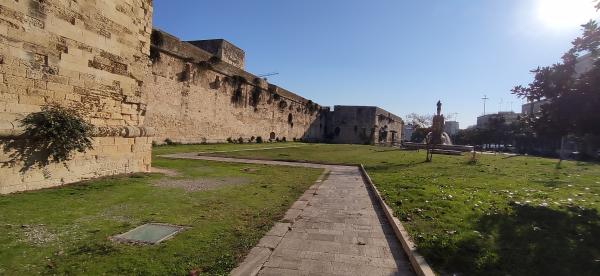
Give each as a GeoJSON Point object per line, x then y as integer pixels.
{"type": "Point", "coordinates": [272, 135]}
{"type": "Point", "coordinates": [290, 118]}
{"type": "Point", "coordinates": [337, 131]}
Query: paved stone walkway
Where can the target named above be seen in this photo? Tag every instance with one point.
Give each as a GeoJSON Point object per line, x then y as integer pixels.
{"type": "Point", "coordinates": [335, 228]}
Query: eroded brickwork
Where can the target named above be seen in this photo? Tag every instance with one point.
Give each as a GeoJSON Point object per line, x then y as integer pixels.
{"type": "Point", "coordinates": [88, 54]}
{"type": "Point", "coordinates": [195, 98]}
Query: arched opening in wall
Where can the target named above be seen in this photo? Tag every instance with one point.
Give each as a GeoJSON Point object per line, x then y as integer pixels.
{"type": "Point", "coordinates": [290, 119]}
{"type": "Point", "coordinates": [337, 131]}
{"type": "Point", "coordinates": [272, 136]}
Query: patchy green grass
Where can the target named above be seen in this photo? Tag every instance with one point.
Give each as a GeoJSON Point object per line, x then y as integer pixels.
{"type": "Point", "coordinates": [501, 216]}
{"type": "Point", "coordinates": [167, 149]}
{"type": "Point", "coordinates": [66, 230]}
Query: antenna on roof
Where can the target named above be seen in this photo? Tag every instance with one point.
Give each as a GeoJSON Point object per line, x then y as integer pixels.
{"type": "Point", "coordinates": [485, 98]}
{"type": "Point", "coordinates": [264, 76]}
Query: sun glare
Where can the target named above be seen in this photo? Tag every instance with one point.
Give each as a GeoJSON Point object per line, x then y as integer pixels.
{"type": "Point", "coordinates": [565, 14]}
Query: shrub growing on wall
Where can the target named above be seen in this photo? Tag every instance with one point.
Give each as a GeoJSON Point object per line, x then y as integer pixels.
{"type": "Point", "coordinates": [283, 104]}
{"type": "Point", "coordinates": [157, 40]}
{"type": "Point", "coordinates": [51, 135]}
{"type": "Point", "coordinates": [311, 107]}
{"type": "Point", "coordinates": [237, 82]}
{"type": "Point", "coordinates": [255, 97]}
{"type": "Point", "coordinates": [237, 96]}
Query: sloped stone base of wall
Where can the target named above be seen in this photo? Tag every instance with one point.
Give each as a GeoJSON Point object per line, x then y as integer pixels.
{"type": "Point", "coordinates": [110, 156]}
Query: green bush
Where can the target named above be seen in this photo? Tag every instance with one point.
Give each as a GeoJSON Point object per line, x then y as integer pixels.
{"type": "Point", "coordinates": [51, 135]}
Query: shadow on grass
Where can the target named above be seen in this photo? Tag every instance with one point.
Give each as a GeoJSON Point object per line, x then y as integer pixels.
{"type": "Point", "coordinates": [525, 241]}
{"type": "Point", "coordinates": [511, 156]}
{"type": "Point", "coordinates": [386, 167]}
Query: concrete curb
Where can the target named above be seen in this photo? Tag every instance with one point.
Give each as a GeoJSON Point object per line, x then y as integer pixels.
{"type": "Point", "coordinates": [417, 261]}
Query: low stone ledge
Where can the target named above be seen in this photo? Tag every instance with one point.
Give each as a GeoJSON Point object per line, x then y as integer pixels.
{"type": "Point", "coordinates": [10, 129]}
{"type": "Point", "coordinates": [14, 130]}
{"type": "Point", "coordinates": [418, 262]}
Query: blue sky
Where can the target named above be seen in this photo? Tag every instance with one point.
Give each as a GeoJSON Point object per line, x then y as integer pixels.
{"type": "Point", "coordinates": [400, 55]}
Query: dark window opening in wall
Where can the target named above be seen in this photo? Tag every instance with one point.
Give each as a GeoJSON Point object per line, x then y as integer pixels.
{"type": "Point", "coordinates": [337, 131]}
{"type": "Point", "coordinates": [320, 126]}
{"type": "Point", "coordinates": [290, 118]}
{"type": "Point", "coordinates": [355, 128]}
{"type": "Point", "coordinates": [272, 135]}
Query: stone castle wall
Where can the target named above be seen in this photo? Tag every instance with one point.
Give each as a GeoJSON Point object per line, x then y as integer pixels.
{"type": "Point", "coordinates": [87, 54]}
{"type": "Point", "coordinates": [194, 97]}
{"type": "Point", "coordinates": [136, 86]}
{"type": "Point", "coordinates": [362, 125]}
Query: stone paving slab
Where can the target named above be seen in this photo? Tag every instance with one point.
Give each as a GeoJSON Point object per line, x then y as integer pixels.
{"type": "Point", "coordinates": [335, 228]}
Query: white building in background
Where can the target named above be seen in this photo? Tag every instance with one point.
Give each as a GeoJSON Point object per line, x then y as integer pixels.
{"type": "Point", "coordinates": [508, 116]}
{"type": "Point", "coordinates": [584, 64]}
{"type": "Point", "coordinates": [533, 107]}
{"type": "Point", "coordinates": [407, 132]}
{"type": "Point", "coordinates": [451, 127]}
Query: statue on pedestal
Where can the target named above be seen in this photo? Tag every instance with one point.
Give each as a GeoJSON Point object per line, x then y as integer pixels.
{"type": "Point", "coordinates": [437, 136]}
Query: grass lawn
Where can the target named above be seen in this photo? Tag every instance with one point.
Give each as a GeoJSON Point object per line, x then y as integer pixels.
{"type": "Point", "coordinates": [65, 230]}
{"type": "Point", "coordinates": [501, 216]}
{"type": "Point", "coordinates": [166, 149]}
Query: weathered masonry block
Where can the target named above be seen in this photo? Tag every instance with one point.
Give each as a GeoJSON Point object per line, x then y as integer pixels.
{"type": "Point", "coordinates": [91, 55]}
{"type": "Point", "coordinates": [195, 96]}
{"type": "Point", "coordinates": [222, 49]}
{"type": "Point", "coordinates": [362, 125]}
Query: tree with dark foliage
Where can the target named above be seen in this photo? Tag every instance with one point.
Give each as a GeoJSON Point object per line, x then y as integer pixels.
{"type": "Point", "coordinates": [573, 97]}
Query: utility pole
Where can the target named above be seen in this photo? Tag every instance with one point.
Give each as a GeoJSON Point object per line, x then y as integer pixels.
{"type": "Point", "coordinates": [500, 105]}
{"type": "Point", "coordinates": [485, 98]}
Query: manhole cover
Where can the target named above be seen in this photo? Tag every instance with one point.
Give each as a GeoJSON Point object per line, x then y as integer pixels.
{"type": "Point", "coordinates": [151, 233]}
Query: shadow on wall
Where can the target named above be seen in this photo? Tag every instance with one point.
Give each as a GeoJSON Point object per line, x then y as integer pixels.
{"type": "Point", "coordinates": [21, 153]}
{"type": "Point", "coordinates": [524, 240]}
{"type": "Point", "coordinates": [317, 129]}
